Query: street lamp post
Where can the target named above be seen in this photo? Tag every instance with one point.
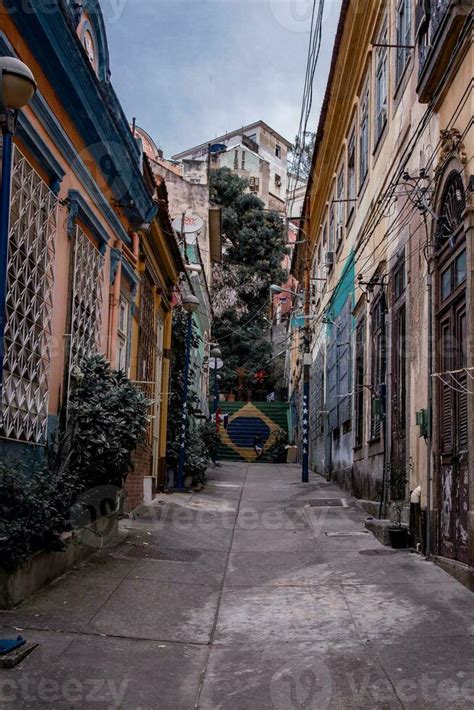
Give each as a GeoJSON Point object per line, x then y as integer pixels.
{"type": "Point", "coordinates": [190, 304]}
{"type": "Point", "coordinates": [216, 354]}
{"type": "Point", "coordinates": [17, 86]}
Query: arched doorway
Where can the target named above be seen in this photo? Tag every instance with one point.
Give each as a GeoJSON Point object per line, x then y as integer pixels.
{"type": "Point", "coordinates": [451, 376]}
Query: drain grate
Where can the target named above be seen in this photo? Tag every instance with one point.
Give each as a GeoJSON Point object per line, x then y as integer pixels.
{"type": "Point", "coordinates": [376, 553]}
{"type": "Point", "coordinates": [153, 552]}
{"type": "Point", "coordinates": [328, 503]}
{"type": "Point", "coordinates": [353, 533]}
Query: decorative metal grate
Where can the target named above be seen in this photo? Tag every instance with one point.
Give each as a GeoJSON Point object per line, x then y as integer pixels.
{"type": "Point", "coordinates": [328, 503]}
{"type": "Point", "coordinates": [149, 390]}
{"type": "Point", "coordinates": [151, 551]}
{"type": "Point", "coordinates": [87, 299]}
{"type": "Point", "coordinates": [147, 345]}
{"type": "Point", "coordinates": [29, 305]}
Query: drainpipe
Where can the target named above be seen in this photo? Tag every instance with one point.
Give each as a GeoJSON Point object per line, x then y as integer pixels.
{"type": "Point", "coordinates": [135, 245]}
{"type": "Point", "coordinates": [114, 306]}
{"type": "Point", "coordinates": [429, 445]}
{"type": "Point", "coordinates": [383, 399]}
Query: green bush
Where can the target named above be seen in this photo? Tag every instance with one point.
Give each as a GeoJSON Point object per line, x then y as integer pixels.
{"type": "Point", "coordinates": [106, 416]}
{"type": "Point", "coordinates": [34, 512]}
{"type": "Point", "coordinates": [278, 451]}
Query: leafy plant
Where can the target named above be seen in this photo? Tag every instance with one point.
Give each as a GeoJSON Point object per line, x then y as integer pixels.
{"type": "Point", "coordinates": [196, 455]}
{"type": "Point", "coordinates": [34, 512]}
{"type": "Point", "coordinates": [107, 414]}
{"type": "Point", "coordinates": [278, 451]}
{"type": "Point", "coordinates": [210, 438]}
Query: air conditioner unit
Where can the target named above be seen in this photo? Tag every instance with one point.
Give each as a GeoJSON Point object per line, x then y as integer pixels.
{"type": "Point", "coordinates": [329, 260]}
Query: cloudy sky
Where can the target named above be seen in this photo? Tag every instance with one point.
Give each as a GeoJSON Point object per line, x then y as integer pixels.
{"type": "Point", "coordinates": [190, 70]}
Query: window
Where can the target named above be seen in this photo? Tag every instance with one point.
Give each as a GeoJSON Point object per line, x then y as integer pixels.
{"type": "Point", "coordinates": [377, 366]}
{"type": "Point", "coordinates": [364, 137]}
{"type": "Point", "coordinates": [87, 299]}
{"type": "Point", "coordinates": [243, 160]}
{"type": "Point", "coordinates": [332, 228]}
{"type": "Point", "coordinates": [236, 160]}
{"type": "Point", "coordinates": [254, 184]}
{"type": "Point", "coordinates": [399, 280]}
{"type": "Point", "coordinates": [453, 276]}
{"type": "Point", "coordinates": [122, 359]}
{"type": "Point", "coordinates": [278, 151]}
{"type": "Point", "coordinates": [351, 174]}
{"type": "Point", "coordinates": [29, 305]}
{"type": "Point", "coordinates": [340, 207]}
{"type": "Point", "coordinates": [460, 269]}
{"type": "Point", "coordinates": [359, 389]}
{"type": "Point", "coordinates": [381, 63]}
{"type": "Point", "coordinates": [147, 343]}
{"type": "Point", "coordinates": [277, 181]}
{"type": "Point", "coordinates": [403, 36]}
{"type": "Point", "coordinates": [325, 234]}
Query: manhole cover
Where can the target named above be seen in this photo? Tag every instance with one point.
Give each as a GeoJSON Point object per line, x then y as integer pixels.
{"type": "Point", "coordinates": [376, 553]}
{"type": "Point", "coordinates": [153, 552]}
{"type": "Point", "coordinates": [329, 503]}
{"type": "Point", "coordinates": [306, 485]}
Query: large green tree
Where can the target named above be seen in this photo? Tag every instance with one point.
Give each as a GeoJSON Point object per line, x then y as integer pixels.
{"type": "Point", "coordinates": [254, 247]}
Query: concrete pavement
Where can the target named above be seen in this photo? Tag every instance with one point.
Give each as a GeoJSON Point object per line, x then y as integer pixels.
{"type": "Point", "coordinates": [258, 593]}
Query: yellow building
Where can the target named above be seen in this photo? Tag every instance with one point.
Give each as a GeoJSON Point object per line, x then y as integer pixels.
{"type": "Point", "coordinates": [388, 218]}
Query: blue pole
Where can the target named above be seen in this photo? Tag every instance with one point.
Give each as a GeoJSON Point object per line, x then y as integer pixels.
{"type": "Point", "coordinates": [184, 415]}
{"type": "Point", "coordinates": [305, 431]}
{"type": "Point", "coordinates": [5, 196]}
{"type": "Point", "coordinates": [216, 391]}
{"type": "Point", "coordinates": [216, 404]}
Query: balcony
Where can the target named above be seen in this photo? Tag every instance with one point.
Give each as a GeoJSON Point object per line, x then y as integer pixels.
{"type": "Point", "coordinates": [439, 28]}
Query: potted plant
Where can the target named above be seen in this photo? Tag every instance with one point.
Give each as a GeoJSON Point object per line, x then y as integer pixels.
{"type": "Point", "coordinates": [398, 533]}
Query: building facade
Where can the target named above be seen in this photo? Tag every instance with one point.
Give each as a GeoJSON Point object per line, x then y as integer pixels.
{"type": "Point", "coordinates": [387, 229]}
{"type": "Point", "coordinates": [255, 152]}
{"type": "Point", "coordinates": [187, 185]}
{"type": "Point", "coordinates": [90, 244]}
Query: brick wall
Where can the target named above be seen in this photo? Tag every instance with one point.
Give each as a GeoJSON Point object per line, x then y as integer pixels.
{"type": "Point", "coordinates": [142, 463]}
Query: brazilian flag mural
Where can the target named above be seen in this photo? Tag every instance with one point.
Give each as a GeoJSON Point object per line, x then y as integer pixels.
{"type": "Point", "coordinates": [247, 421]}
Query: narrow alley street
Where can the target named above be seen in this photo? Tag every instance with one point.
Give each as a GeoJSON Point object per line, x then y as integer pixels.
{"type": "Point", "coordinates": [257, 593]}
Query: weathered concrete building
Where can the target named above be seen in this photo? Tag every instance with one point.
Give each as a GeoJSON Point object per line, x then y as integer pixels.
{"type": "Point", "coordinates": [255, 152]}
{"type": "Point", "coordinates": [187, 189]}
{"type": "Point", "coordinates": [388, 223]}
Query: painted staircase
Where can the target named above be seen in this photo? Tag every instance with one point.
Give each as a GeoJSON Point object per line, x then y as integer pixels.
{"type": "Point", "coordinates": [246, 421]}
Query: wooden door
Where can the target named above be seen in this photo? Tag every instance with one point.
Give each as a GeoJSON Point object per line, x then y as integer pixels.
{"type": "Point", "coordinates": [453, 433]}
{"type": "Point", "coordinates": [398, 390]}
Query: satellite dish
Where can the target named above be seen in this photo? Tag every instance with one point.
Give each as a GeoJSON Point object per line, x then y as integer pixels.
{"type": "Point", "coordinates": [217, 148]}
{"type": "Point", "coordinates": [192, 224]}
